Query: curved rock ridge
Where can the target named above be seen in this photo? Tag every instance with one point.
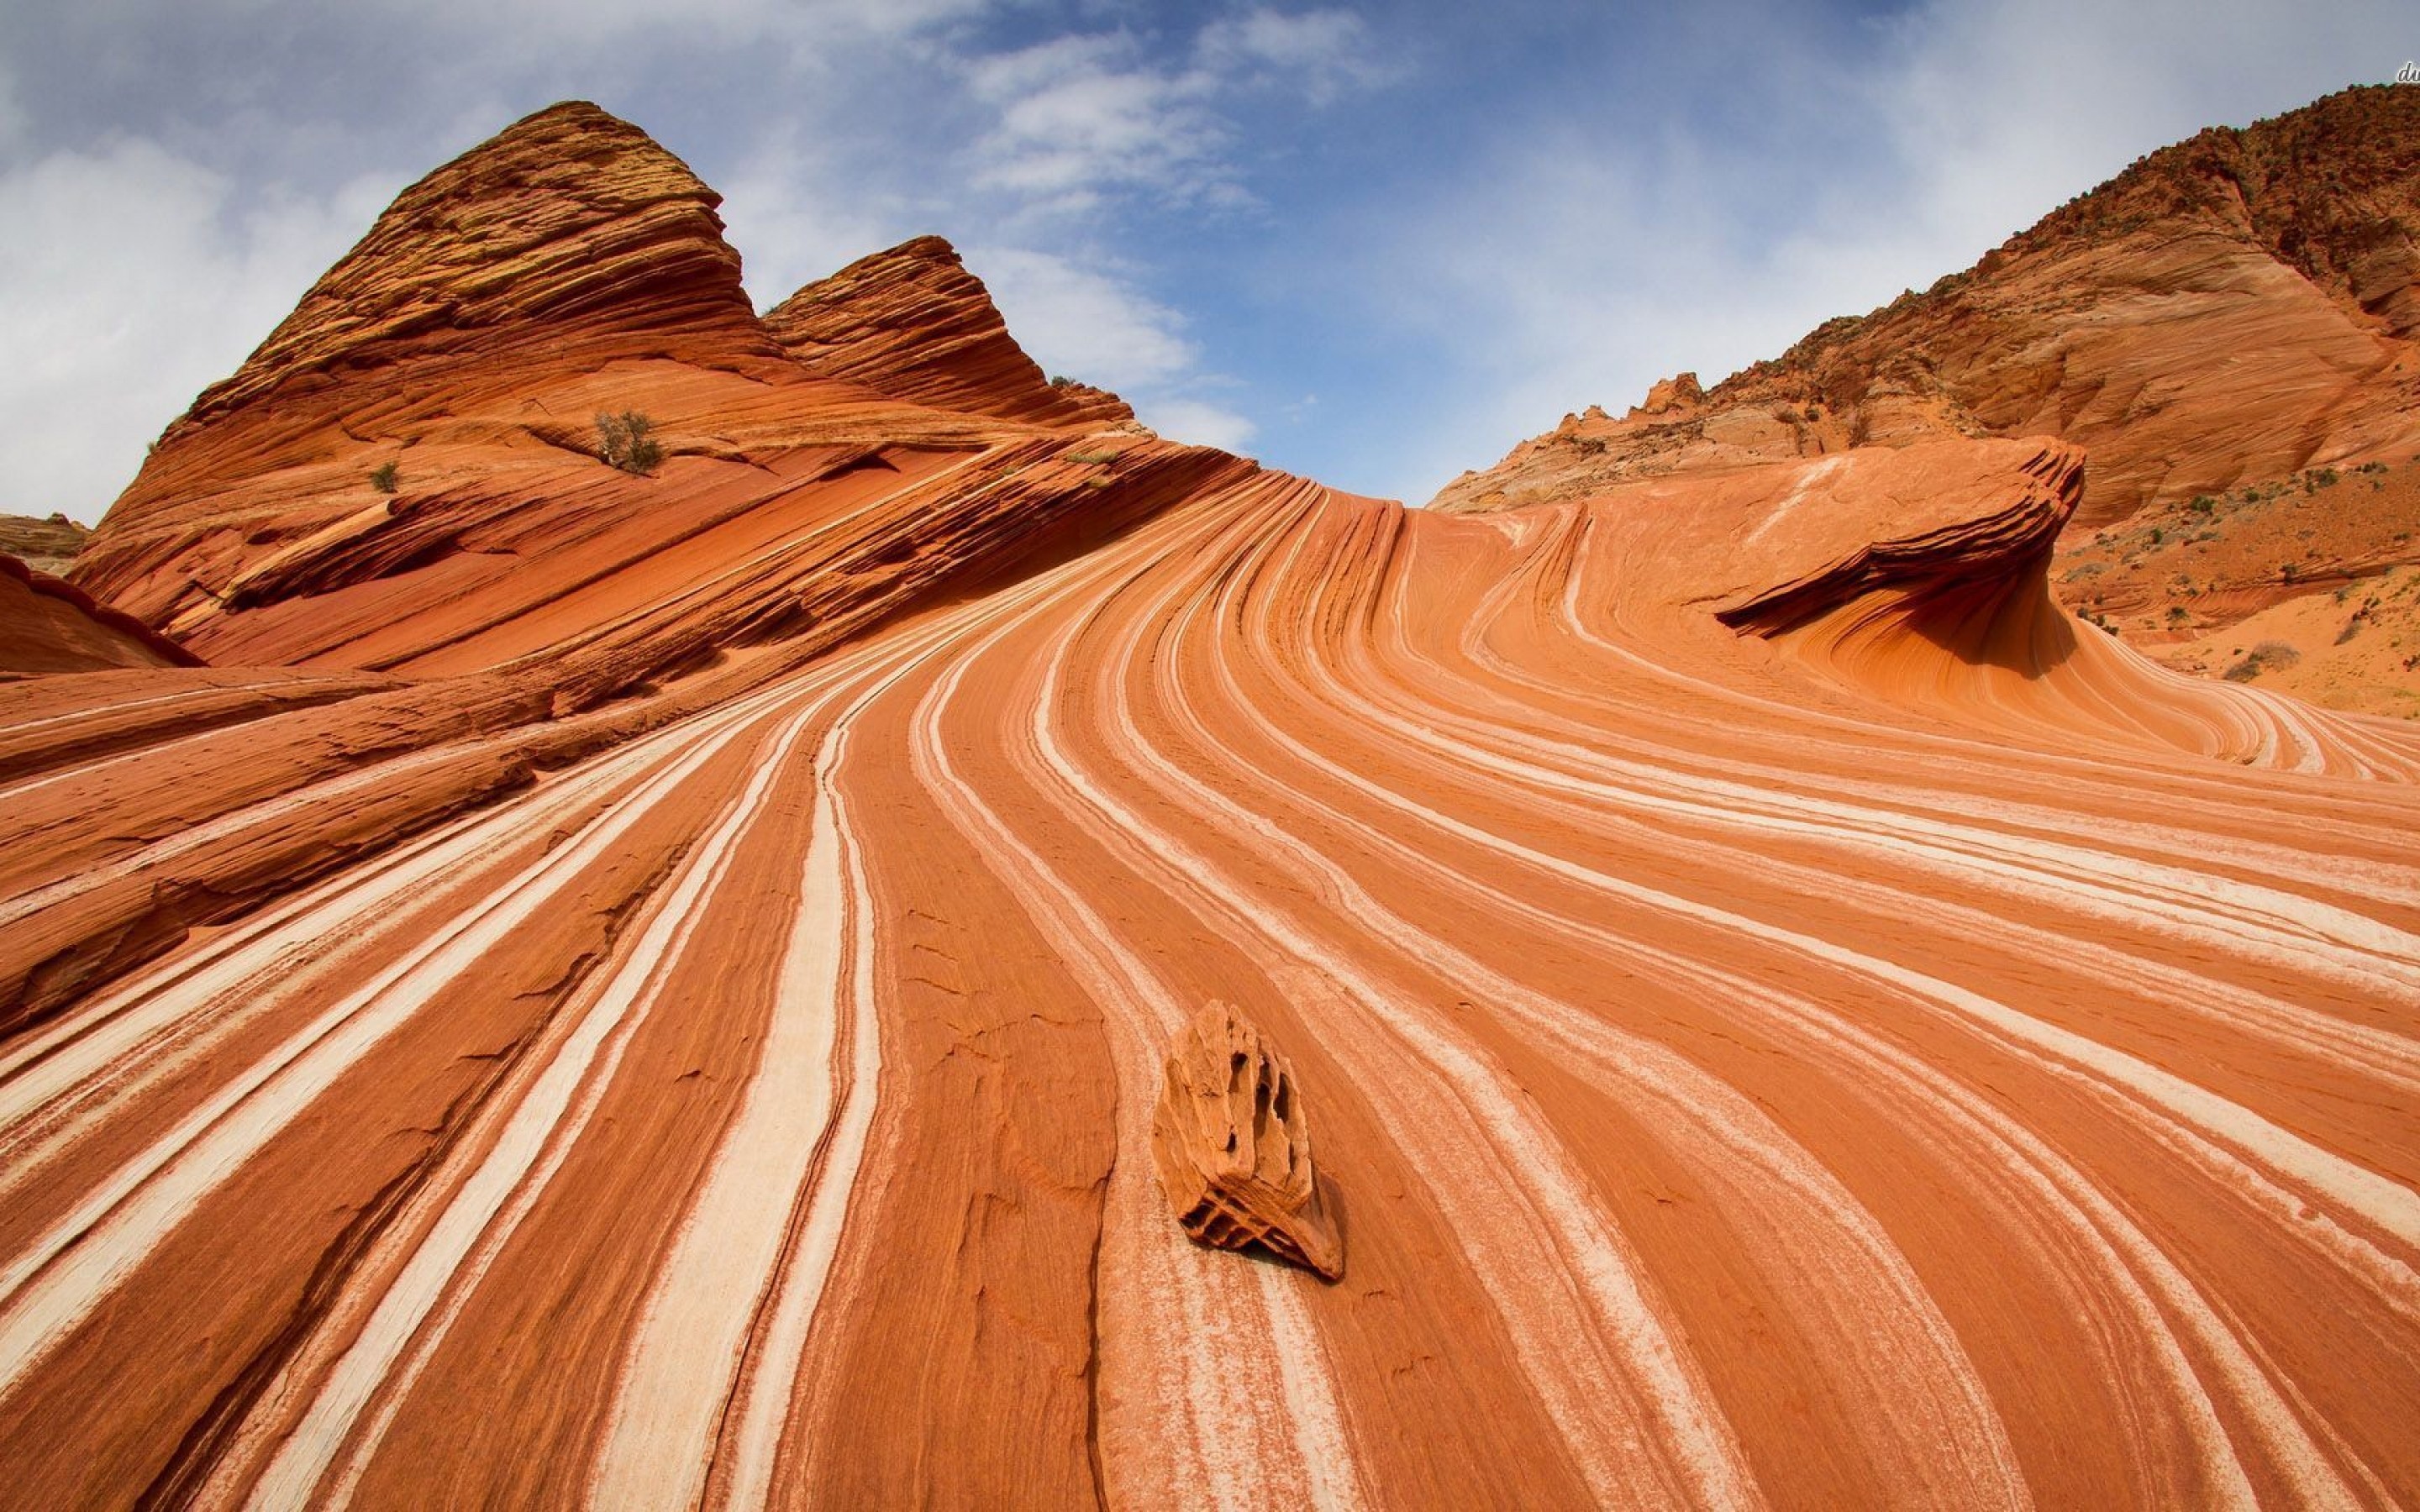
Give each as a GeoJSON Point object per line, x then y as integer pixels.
{"type": "Point", "coordinates": [913, 323]}
{"type": "Point", "coordinates": [48, 624]}
{"type": "Point", "coordinates": [2231, 309]}
{"type": "Point", "coordinates": [655, 991]}
{"type": "Point", "coordinates": [1231, 1142]}
{"type": "Point", "coordinates": [1924, 532]}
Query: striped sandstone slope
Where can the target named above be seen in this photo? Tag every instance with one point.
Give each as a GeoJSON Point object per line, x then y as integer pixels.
{"type": "Point", "coordinates": [1791, 1019]}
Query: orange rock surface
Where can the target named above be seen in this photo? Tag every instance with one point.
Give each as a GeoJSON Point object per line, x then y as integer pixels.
{"type": "Point", "coordinates": [48, 624]}
{"type": "Point", "coordinates": [655, 990]}
{"type": "Point", "coordinates": [914, 323]}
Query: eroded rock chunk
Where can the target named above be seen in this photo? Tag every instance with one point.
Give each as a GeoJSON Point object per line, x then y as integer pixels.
{"type": "Point", "coordinates": [1232, 1147]}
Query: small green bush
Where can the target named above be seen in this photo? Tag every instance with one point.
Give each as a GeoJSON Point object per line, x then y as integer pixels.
{"type": "Point", "coordinates": [623, 441]}
{"type": "Point", "coordinates": [384, 477]}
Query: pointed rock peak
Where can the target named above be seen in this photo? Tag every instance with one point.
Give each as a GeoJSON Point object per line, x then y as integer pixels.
{"type": "Point", "coordinates": [569, 219]}
{"type": "Point", "coordinates": [913, 323]}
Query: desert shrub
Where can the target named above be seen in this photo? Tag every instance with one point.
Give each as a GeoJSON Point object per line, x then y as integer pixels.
{"type": "Point", "coordinates": [2203, 504]}
{"type": "Point", "coordinates": [385, 477]}
{"type": "Point", "coordinates": [1061, 380]}
{"type": "Point", "coordinates": [624, 441]}
{"type": "Point", "coordinates": [2261, 658]}
{"type": "Point", "coordinates": [2158, 535]}
{"type": "Point", "coordinates": [2178, 614]}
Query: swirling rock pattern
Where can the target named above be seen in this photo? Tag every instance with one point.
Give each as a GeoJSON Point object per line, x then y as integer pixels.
{"type": "Point", "coordinates": [1233, 1144]}
{"type": "Point", "coordinates": [653, 992]}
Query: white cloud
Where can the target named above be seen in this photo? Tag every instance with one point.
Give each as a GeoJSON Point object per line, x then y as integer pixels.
{"type": "Point", "coordinates": [1084, 114]}
{"type": "Point", "coordinates": [1076, 319]}
{"type": "Point", "coordinates": [1082, 321]}
{"type": "Point", "coordinates": [796, 215]}
{"type": "Point", "coordinates": [129, 281]}
{"type": "Point", "coordinates": [1320, 54]}
{"type": "Point", "coordinates": [1196, 422]}
{"type": "Point", "coordinates": [514, 33]}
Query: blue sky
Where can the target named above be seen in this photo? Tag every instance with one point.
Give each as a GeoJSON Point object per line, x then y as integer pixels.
{"type": "Point", "coordinates": [1374, 245]}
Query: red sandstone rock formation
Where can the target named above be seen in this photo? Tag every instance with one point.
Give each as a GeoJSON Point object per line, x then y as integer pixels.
{"type": "Point", "coordinates": [913, 323]}
{"type": "Point", "coordinates": [48, 624]}
{"type": "Point", "coordinates": [1231, 1142]}
{"type": "Point", "coordinates": [2229, 310]}
{"type": "Point", "coordinates": [654, 991]}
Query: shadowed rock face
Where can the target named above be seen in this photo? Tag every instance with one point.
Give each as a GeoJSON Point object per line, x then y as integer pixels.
{"type": "Point", "coordinates": [657, 991]}
{"type": "Point", "coordinates": [49, 625]}
{"type": "Point", "coordinates": [2231, 309]}
{"type": "Point", "coordinates": [1232, 1144]}
{"type": "Point", "coordinates": [915, 324]}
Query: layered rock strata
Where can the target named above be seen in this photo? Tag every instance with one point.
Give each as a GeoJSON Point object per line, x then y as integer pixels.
{"type": "Point", "coordinates": [915, 324]}
{"type": "Point", "coordinates": [654, 992]}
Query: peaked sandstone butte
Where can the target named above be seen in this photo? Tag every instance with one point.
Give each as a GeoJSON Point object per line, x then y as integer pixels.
{"type": "Point", "coordinates": [2231, 309]}
{"type": "Point", "coordinates": [1232, 1144]}
{"type": "Point", "coordinates": [915, 324]}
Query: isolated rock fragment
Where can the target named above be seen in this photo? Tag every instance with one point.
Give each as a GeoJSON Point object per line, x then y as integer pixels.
{"type": "Point", "coordinates": [1234, 1149]}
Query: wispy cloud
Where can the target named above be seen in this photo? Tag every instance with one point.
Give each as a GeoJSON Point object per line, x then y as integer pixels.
{"type": "Point", "coordinates": [1080, 118]}
{"type": "Point", "coordinates": [1081, 319]}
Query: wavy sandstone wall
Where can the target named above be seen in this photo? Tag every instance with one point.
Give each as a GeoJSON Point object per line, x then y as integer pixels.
{"type": "Point", "coordinates": [655, 990]}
